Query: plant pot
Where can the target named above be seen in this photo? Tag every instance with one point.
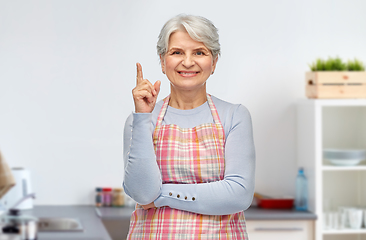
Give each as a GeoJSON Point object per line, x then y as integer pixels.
{"type": "Point", "coordinates": [336, 84]}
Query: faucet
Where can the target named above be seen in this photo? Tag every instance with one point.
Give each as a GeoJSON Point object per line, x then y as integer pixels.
{"type": "Point", "coordinates": [30, 195]}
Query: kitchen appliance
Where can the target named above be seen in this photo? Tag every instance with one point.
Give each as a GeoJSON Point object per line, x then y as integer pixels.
{"type": "Point", "coordinates": [15, 225]}
{"type": "Point", "coordinates": [22, 188]}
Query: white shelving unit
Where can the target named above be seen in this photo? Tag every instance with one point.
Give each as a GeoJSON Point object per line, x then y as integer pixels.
{"type": "Point", "coordinates": [332, 124]}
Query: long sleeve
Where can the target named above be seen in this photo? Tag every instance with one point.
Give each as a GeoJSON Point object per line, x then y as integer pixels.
{"type": "Point", "coordinates": [142, 179]}
{"type": "Point", "coordinates": [232, 194]}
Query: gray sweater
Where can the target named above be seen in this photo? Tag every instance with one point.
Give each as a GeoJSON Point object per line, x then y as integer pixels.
{"type": "Point", "coordinates": [142, 177]}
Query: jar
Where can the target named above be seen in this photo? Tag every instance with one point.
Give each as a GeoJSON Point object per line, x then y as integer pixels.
{"type": "Point", "coordinates": [107, 197]}
{"type": "Point", "coordinates": [99, 197]}
{"type": "Point", "coordinates": [118, 197]}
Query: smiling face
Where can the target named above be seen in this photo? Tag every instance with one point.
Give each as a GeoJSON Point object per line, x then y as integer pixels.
{"type": "Point", "coordinates": [187, 63]}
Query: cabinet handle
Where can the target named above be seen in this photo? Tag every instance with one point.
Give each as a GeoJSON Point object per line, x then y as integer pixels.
{"type": "Point", "coordinates": [263, 229]}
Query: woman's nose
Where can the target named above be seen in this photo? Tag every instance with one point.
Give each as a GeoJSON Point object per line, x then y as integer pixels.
{"type": "Point", "coordinates": [188, 61]}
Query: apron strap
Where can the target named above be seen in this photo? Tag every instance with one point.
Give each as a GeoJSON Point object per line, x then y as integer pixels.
{"type": "Point", "coordinates": [162, 111]}
{"type": "Point", "coordinates": [214, 112]}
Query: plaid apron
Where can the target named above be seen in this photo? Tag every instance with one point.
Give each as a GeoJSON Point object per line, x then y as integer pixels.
{"type": "Point", "coordinates": [188, 156]}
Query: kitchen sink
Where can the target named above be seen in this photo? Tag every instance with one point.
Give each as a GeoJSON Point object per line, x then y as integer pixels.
{"type": "Point", "coordinates": [59, 225]}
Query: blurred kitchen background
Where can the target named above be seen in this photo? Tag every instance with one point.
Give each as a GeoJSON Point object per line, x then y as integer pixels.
{"type": "Point", "coordinates": [67, 69]}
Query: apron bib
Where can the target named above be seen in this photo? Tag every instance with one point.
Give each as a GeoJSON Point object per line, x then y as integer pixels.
{"type": "Point", "coordinates": [188, 156]}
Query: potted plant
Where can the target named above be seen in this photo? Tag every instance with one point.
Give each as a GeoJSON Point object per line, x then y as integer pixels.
{"type": "Point", "coordinates": [334, 78]}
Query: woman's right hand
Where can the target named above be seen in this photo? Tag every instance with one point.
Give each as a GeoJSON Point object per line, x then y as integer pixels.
{"type": "Point", "coordinates": [144, 94]}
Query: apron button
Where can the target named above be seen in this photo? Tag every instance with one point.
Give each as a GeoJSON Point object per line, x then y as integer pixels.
{"type": "Point", "coordinates": [170, 194]}
{"type": "Point", "coordinates": [185, 197]}
{"type": "Point", "coordinates": [193, 198]}
{"type": "Point", "coordinates": [178, 196]}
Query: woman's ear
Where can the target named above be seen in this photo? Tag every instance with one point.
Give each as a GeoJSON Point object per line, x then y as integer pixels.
{"type": "Point", "coordinates": [214, 63]}
{"type": "Point", "coordinates": [162, 63]}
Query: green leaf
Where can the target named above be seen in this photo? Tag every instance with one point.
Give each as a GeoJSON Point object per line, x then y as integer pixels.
{"type": "Point", "coordinates": [336, 64]}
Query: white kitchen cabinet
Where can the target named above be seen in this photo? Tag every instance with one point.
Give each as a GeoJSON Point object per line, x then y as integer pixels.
{"type": "Point", "coordinates": [335, 123]}
{"type": "Point", "coordinates": [280, 229]}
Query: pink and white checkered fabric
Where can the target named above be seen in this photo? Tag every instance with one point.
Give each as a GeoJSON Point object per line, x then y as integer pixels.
{"type": "Point", "coordinates": [184, 156]}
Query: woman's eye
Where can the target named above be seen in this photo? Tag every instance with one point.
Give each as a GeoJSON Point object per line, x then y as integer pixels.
{"type": "Point", "coordinates": [199, 53]}
{"type": "Point", "coordinates": [176, 52]}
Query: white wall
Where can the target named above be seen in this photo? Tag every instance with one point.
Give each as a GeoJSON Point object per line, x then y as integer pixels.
{"type": "Point", "coordinates": [67, 69]}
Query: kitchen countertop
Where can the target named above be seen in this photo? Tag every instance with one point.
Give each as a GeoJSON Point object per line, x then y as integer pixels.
{"type": "Point", "coordinates": [252, 213]}
{"type": "Point", "coordinates": [91, 219]}
{"type": "Point", "coordinates": [92, 224]}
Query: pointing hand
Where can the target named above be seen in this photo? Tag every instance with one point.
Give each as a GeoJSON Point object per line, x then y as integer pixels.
{"type": "Point", "coordinates": [144, 94]}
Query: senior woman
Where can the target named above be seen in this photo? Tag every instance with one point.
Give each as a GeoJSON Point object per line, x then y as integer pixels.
{"type": "Point", "coordinates": [189, 158]}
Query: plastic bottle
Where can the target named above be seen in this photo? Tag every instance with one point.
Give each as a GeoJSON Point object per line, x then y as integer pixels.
{"type": "Point", "coordinates": [301, 200]}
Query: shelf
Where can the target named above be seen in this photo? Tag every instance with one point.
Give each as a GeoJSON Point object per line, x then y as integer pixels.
{"type": "Point", "coordinates": [344, 168]}
{"type": "Point", "coordinates": [345, 231]}
{"type": "Point", "coordinates": [334, 102]}
{"type": "Point", "coordinates": [335, 124]}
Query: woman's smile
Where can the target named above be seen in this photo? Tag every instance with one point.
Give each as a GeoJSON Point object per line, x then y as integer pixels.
{"type": "Point", "coordinates": [188, 74]}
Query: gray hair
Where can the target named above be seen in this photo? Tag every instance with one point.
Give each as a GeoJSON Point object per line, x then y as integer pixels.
{"type": "Point", "coordinates": [199, 29]}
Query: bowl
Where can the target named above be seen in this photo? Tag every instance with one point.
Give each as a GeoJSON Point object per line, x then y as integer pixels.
{"type": "Point", "coordinates": [344, 157]}
{"type": "Point", "coordinates": [340, 162]}
{"type": "Point", "coordinates": [276, 203]}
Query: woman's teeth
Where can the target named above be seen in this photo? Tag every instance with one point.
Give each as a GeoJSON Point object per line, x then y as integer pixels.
{"type": "Point", "coordinates": [188, 73]}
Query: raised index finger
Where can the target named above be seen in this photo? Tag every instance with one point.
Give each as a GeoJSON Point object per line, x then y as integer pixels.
{"type": "Point", "coordinates": [139, 76]}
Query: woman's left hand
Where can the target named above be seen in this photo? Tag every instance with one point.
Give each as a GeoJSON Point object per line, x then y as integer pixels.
{"type": "Point", "coordinates": [148, 206]}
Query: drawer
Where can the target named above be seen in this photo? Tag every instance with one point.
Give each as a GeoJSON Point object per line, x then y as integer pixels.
{"type": "Point", "coordinates": [280, 230]}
